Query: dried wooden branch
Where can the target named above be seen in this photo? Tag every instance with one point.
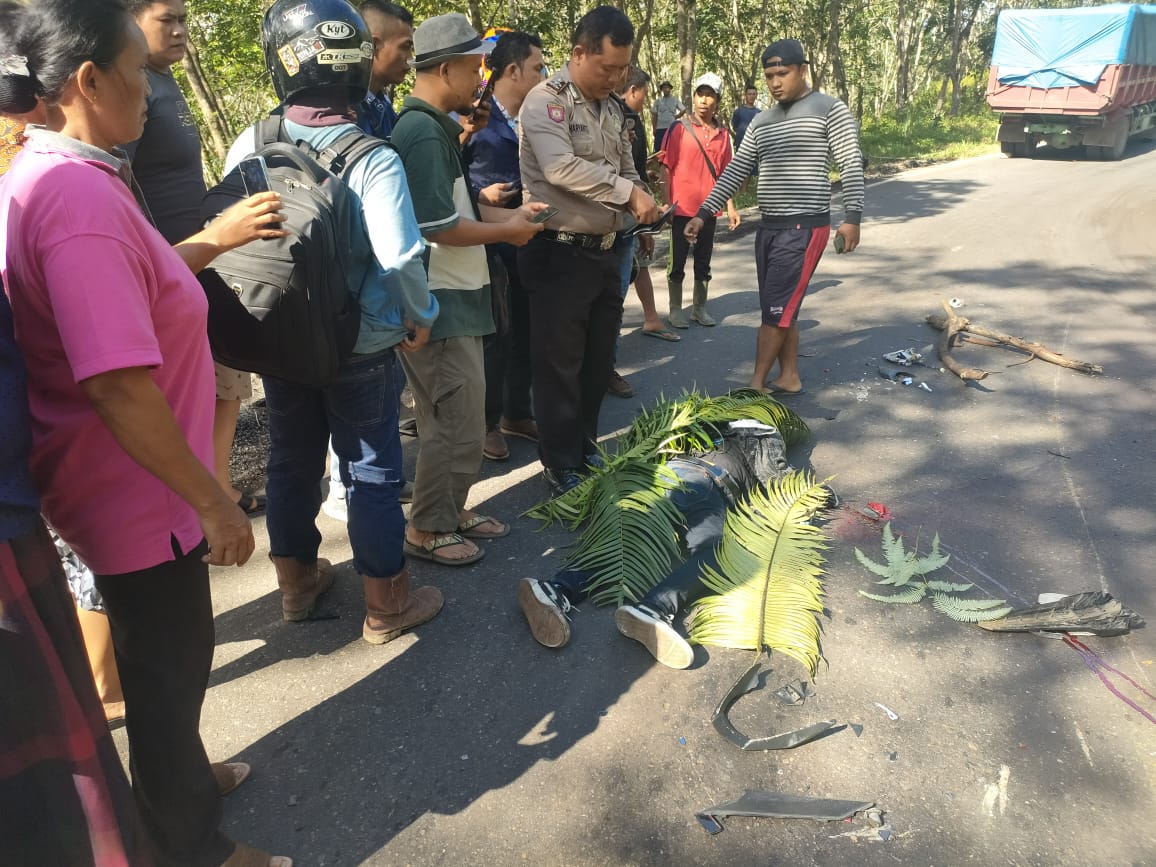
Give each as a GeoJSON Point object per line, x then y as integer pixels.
{"type": "Point", "coordinates": [955, 327]}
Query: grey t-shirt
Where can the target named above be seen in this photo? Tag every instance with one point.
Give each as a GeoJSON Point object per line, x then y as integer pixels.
{"type": "Point", "coordinates": [166, 160]}
{"type": "Point", "coordinates": [666, 109]}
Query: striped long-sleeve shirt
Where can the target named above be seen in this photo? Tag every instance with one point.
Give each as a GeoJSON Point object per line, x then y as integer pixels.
{"type": "Point", "coordinates": [793, 146]}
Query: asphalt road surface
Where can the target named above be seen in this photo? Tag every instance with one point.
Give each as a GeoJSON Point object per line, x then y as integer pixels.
{"type": "Point", "coordinates": [465, 743]}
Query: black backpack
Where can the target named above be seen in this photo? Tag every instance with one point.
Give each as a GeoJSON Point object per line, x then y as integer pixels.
{"type": "Point", "coordinates": [288, 307]}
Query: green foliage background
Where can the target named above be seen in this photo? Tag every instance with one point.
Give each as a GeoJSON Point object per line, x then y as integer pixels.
{"type": "Point", "coordinates": [896, 55]}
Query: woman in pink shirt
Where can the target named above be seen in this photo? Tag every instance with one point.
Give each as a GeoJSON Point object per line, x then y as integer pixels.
{"type": "Point", "coordinates": [112, 323]}
{"type": "Point", "coordinates": [694, 154]}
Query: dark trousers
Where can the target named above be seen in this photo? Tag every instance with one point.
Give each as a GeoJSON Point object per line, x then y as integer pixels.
{"type": "Point", "coordinates": [680, 249]}
{"type": "Point", "coordinates": [575, 309]}
{"type": "Point", "coordinates": [162, 631]}
{"type": "Point", "coordinates": [704, 506]}
{"type": "Point", "coordinates": [507, 356]}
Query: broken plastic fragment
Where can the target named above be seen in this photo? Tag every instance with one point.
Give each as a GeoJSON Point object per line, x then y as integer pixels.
{"type": "Point", "coordinates": [956, 303]}
{"type": "Point", "coordinates": [906, 357]}
{"type": "Point", "coordinates": [925, 386]}
{"type": "Point", "coordinates": [891, 715]}
{"type": "Point", "coordinates": [792, 694]}
{"type": "Point", "coordinates": [774, 805]}
{"type": "Point", "coordinates": [749, 682]}
{"type": "Point", "coordinates": [891, 374]}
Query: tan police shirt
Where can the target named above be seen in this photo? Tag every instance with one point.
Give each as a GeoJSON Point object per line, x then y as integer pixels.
{"type": "Point", "coordinates": [575, 155]}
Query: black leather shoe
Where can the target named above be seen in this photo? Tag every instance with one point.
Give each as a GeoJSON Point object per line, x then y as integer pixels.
{"type": "Point", "coordinates": [561, 481]}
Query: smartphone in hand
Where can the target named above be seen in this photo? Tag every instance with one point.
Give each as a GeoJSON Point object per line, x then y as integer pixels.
{"type": "Point", "coordinates": [254, 175]}
{"type": "Point", "coordinates": [486, 93]}
{"type": "Point", "coordinates": [840, 243]}
{"type": "Point", "coordinates": [543, 216]}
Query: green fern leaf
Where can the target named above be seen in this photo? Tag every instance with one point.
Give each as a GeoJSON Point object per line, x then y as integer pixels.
{"type": "Point", "coordinates": [907, 596]}
{"type": "Point", "coordinates": [970, 610]}
{"type": "Point", "coordinates": [934, 560]}
{"type": "Point", "coordinates": [767, 589]}
{"type": "Point", "coordinates": [633, 534]}
{"type": "Point", "coordinates": [948, 587]}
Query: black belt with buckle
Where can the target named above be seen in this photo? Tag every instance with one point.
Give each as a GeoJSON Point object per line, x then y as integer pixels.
{"type": "Point", "coordinates": [580, 239]}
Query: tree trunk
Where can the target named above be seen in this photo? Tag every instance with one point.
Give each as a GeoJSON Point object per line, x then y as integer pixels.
{"type": "Point", "coordinates": [642, 31]}
{"type": "Point", "coordinates": [687, 45]}
{"type": "Point", "coordinates": [834, 55]}
{"type": "Point", "coordinates": [215, 124]}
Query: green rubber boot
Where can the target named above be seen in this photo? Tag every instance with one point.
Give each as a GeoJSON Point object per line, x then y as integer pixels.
{"type": "Point", "coordinates": [676, 317]}
{"type": "Point", "coordinates": [699, 312]}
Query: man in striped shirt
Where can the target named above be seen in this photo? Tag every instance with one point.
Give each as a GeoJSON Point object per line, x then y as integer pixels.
{"type": "Point", "coordinates": [792, 144]}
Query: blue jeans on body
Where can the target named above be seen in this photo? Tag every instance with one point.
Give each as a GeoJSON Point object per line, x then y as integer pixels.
{"type": "Point", "coordinates": [359, 410]}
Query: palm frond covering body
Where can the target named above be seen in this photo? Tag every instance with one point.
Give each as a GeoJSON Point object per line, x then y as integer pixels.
{"type": "Point", "coordinates": [633, 535]}
{"type": "Point", "coordinates": [669, 428]}
{"type": "Point", "coordinates": [768, 591]}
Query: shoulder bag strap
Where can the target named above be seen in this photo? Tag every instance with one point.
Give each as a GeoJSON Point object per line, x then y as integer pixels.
{"type": "Point", "coordinates": [709, 165]}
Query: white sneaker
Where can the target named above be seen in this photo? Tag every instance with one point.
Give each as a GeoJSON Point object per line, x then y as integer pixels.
{"type": "Point", "coordinates": [336, 508]}
{"type": "Point", "coordinates": [655, 634]}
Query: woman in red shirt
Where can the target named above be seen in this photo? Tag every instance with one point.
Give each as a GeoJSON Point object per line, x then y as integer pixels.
{"type": "Point", "coordinates": [695, 152]}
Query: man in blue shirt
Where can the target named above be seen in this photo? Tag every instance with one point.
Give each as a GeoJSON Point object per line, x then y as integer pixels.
{"type": "Point", "coordinates": [496, 177]}
{"type": "Point", "coordinates": [392, 29]}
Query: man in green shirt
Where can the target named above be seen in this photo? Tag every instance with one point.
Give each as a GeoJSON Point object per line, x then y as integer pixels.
{"type": "Point", "coordinates": [447, 376]}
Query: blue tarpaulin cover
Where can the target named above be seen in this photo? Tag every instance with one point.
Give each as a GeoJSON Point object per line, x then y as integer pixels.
{"type": "Point", "coordinates": [1071, 47]}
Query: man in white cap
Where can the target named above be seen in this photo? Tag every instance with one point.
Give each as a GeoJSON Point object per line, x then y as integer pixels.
{"type": "Point", "coordinates": [447, 375]}
{"type": "Point", "coordinates": [697, 150]}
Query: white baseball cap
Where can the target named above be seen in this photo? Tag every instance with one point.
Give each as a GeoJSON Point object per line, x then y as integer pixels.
{"type": "Point", "coordinates": [708, 79]}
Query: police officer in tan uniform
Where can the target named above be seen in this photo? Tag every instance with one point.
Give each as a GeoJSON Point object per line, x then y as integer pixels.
{"type": "Point", "coordinates": [575, 155]}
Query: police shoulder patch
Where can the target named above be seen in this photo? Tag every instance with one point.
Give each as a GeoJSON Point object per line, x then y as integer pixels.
{"type": "Point", "coordinates": [555, 112]}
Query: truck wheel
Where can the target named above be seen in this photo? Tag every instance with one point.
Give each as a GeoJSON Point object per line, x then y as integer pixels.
{"type": "Point", "coordinates": [1116, 151]}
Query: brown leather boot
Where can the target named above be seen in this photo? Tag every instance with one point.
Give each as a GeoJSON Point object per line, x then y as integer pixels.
{"type": "Point", "coordinates": [391, 608]}
{"type": "Point", "coordinates": [301, 584]}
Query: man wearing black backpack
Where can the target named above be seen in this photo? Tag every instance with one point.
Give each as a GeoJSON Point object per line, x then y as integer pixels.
{"type": "Point", "coordinates": [318, 53]}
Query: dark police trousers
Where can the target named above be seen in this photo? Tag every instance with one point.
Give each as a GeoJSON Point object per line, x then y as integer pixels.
{"type": "Point", "coordinates": [575, 309]}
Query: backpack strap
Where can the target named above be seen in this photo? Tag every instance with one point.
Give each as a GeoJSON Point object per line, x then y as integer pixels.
{"type": "Point", "coordinates": [340, 156]}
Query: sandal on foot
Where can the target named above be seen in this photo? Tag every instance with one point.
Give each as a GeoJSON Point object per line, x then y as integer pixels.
{"type": "Point", "coordinates": [468, 529]}
{"type": "Point", "coordinates": [251, 504]}
{"type": "Point", "coordinates": [663, 334]}
{"type": "Point", "coordinates": [230, 775]}
{"type": "Point", "coordinates": [428, 550]}
{"type": "Point", "coordinates": [247, 856]}
{"type": "Point", "coordinates": [779, 391]}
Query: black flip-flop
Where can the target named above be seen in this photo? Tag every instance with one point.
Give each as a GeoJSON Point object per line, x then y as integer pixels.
{"type": "Point", "coordinates": [778, 391]}
{"type": "Point", "coordinates": [251, 504]}
{"type": "Point", "coordinates": [664, 334]}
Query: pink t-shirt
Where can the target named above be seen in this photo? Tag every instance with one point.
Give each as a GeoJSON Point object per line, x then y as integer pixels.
{"type": "Point", "coordinates": [690, 179]}
{"type": "Point", "coordinates": [95, 288]}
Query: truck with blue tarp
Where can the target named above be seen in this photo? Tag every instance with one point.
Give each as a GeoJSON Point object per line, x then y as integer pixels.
{"type": "Point", "coordinates": [1071, 77]}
